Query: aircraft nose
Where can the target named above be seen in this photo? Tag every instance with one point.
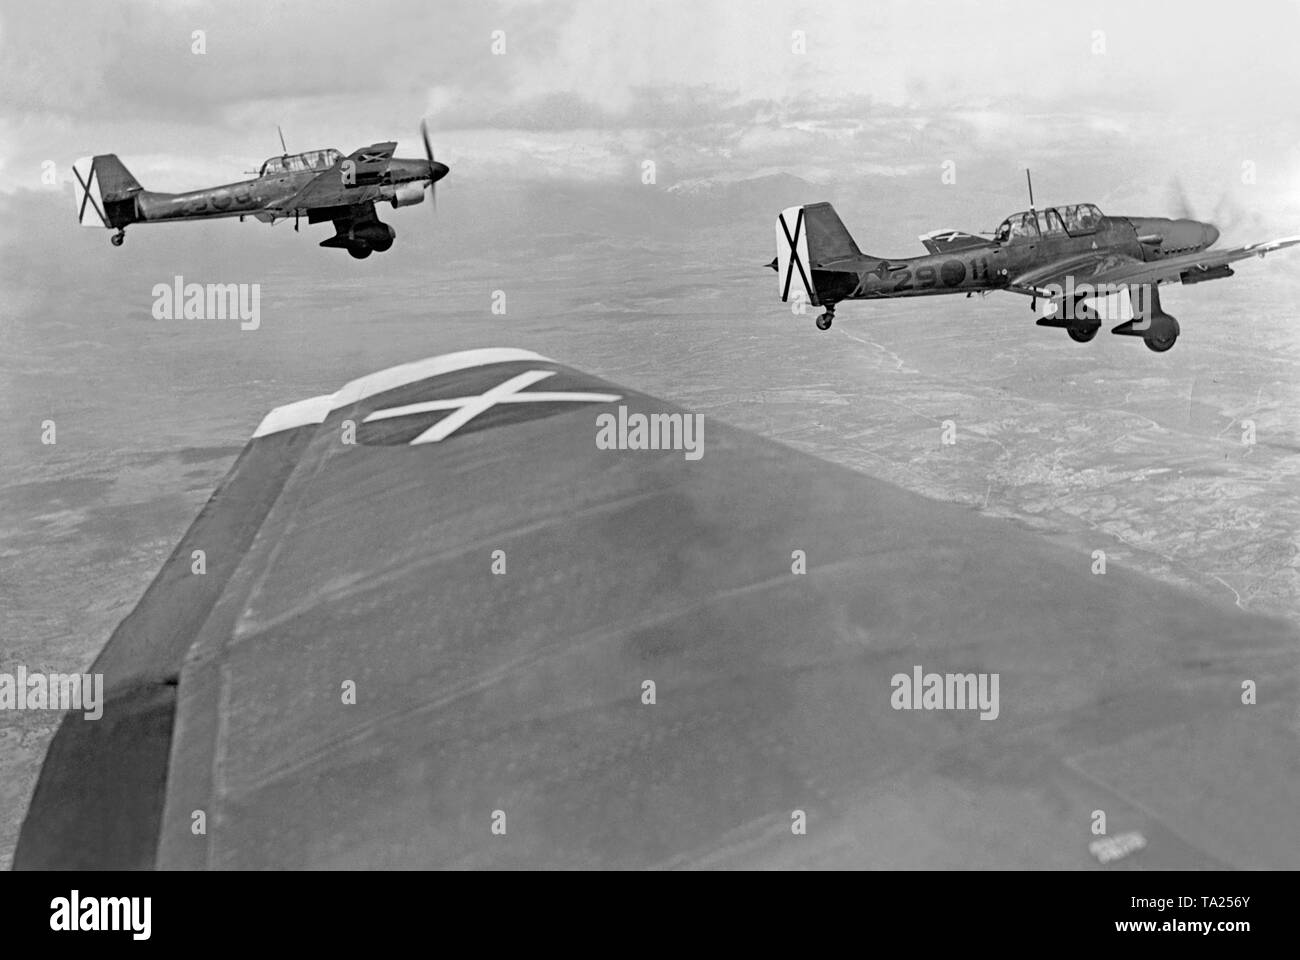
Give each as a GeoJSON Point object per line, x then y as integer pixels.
{"type": "Point", "coordinates": [438, 170]}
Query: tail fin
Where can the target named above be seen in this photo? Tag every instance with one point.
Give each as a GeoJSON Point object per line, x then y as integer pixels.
{"type": "Point", "coordinates": [105, 191]}
{"type": "Point", "coordinates": [811, 238]}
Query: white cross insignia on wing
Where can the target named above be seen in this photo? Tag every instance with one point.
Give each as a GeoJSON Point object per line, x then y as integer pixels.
{"type": "Point", "coordinates": [467, 408]}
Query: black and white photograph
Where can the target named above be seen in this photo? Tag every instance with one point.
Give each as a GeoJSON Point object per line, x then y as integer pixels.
{"type": "Point", "coordinates": [725, 435]}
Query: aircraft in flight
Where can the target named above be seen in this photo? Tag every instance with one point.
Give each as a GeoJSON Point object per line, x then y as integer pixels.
{"type": "Point", "coordinates": [318, 184]}
{"type": "Point", "coordinates": [1081, 261]}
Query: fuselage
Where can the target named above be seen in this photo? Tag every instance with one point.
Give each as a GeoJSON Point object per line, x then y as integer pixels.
{"type": "Point", "coordinates": [993, 265]}
{"type": "Point", "coordinates": [271, 196]}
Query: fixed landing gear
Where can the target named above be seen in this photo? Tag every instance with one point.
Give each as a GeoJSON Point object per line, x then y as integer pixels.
{"type": "Point", "coordinates": [824, 321]}
{"type": "Point", "coordinates": [1082, 334]}
{"type": "Point", "coordinates": [1080, 321]}
{"type": "Point", "coordinates": [361, 242]}
{"type": "Point", "coordinates": [1084, 325]}
{"type": "Point", "coordinates": [1158, 330]}
{"type": "Point", "coordinates": [118, 238]}
{"type": "Point", "coordinates": [377, 244]}
{"type": "Point", "coordinates": [1162, 335]}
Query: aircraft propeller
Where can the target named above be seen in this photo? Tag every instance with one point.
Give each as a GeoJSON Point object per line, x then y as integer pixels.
{"type": "Point", "coordinates": [1178, 202]}
{"type": "Point", "coordinates": [428, 152]}
{"type": "Point", "coordinates": [1228, 214]}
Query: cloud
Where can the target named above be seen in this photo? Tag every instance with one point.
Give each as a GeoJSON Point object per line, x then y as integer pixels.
{"type": "Point", "coordinates": [711, 90]}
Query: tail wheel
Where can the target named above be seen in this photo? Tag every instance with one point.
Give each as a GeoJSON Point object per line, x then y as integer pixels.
{"type": "Point", "coordinates": [824, 321]}
{"type": "Point", "coordinates": [118, 238]}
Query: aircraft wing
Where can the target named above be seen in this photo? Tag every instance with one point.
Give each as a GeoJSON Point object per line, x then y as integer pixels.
{"type": "Point", "coordinates": [442, 624]}
{"type": "Point", "coordinates": [1101, 267]}
{"type": "Point", "coordinates": [950, 241]}
{"type": "Point", "coordinates": [372, 161]}
{"type": "Point", "coordinates": [1085, 268]}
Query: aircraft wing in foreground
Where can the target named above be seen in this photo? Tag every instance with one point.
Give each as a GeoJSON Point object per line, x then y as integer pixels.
{"type": "Point", "coordinates": [478, 637]}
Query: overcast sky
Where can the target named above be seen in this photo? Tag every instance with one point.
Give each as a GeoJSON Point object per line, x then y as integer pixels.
{"type": "Point", "coordinates": [1109, 98]}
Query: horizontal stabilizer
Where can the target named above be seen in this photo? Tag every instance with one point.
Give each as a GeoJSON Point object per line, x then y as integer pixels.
{"type": "Point", "coordinates": [950, 241]}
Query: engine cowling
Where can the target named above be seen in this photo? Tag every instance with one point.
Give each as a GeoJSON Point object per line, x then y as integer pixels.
{"type": "Point", "coordinates": [406, 194]}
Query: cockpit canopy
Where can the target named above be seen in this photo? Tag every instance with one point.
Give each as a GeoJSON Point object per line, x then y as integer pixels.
{"type": "Point", "coordinates": [1077, 220]}
{"type": "Point", "coordinates": [297, 162]}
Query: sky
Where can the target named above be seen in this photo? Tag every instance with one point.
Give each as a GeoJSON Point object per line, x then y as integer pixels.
{"type": "Point", "coordinates": [1107, 101]}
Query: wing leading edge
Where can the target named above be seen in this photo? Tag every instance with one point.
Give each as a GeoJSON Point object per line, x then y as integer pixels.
{"type": "Point", "coordinates": [1119, 269]}
{"type": "Point", "coordinates": [437, 653]}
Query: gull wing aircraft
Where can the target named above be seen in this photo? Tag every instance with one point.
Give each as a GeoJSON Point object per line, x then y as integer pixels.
{"type": "Point", "coordinates": [475, 637]}
{"type": "Point", "coordinates": [321, 185]}
{"type": "Point", "coordinates": [1074, 257]}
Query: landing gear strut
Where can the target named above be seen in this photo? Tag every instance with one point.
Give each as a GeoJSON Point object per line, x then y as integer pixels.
{"type": "Point", "coordinates": [824, 321]}
{"type": "Point", "coordinates": [1158, 330]}
{"type": "Point", "coordinates": [1080, 321]}
{"type": "Point", "coordinates": [118, 238]}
